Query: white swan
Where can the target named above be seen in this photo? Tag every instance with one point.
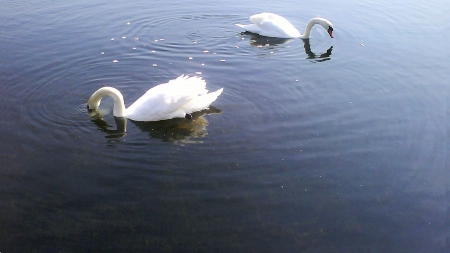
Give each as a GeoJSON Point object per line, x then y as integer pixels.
{"type": "Point", "coordinates": [175, 99]}
{"type": "Point", "coordinates": [273, 25]}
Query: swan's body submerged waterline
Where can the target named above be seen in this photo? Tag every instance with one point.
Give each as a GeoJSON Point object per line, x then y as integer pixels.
{"type": "Point", "coordinates": [177, 98]}
{"type": "Point", "coordinates": [273, 25]}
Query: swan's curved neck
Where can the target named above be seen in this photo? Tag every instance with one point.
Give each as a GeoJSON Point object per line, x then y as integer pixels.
{"type": "Point", "coordinates": [308, 28]}
{"type": "Point", "coordinates": [119, 106]}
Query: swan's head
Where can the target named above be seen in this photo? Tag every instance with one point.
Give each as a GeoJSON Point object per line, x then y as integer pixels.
{"type": "Point", "coordinates": [327, 25]}
{"type": "Point", "coordinates": [93, 103]}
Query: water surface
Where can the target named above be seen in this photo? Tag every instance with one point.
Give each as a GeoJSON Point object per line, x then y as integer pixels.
{"type": "Point", "coordinates": [319, 145]}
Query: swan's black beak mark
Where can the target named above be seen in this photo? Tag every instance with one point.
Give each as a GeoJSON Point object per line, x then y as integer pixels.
{"type": "Point", "coordinates": [188, 116]}
{"type": "Point", "coordinates": [330, 31]}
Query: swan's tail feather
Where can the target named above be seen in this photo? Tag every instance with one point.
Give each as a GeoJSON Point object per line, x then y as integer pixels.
{"type": "Point", "coordinates": [247, 27]}
{"type": "Point", "coordinates": [202, 102]}
{"type": "Point", "coordinates": [211, 97]}
{"type": "Point", "coordinates": [250, 28]}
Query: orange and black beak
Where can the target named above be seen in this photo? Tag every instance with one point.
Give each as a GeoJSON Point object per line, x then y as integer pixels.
{"type": "Point", "coordinates": [330, 31]}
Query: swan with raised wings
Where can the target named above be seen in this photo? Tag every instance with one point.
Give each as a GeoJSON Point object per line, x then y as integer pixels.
{"type": "Point", "coordinates": [177, 98]}
{"type": "Point", "coordinates": [273, 25]}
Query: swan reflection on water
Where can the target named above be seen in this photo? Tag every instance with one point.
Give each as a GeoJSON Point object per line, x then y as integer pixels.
{"type": "Point", "coordinates": [317, 57]}
{"type": "Point", "coordinates": [263, 41]}
{"type": "Point", "coordinates": [177, 130]}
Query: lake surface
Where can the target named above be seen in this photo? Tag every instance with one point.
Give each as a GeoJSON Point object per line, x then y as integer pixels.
{"type": "Point", "coordinates": [319, 145]}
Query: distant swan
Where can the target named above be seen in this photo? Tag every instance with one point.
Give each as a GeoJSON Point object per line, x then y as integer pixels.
{"type": "Point", "coordinates": [273, 25]}
{"type": "Point", "coordinates": [176, 99]}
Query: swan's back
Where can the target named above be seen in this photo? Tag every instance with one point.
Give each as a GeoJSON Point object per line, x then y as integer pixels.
{"type": "Point", "coordinates": [267, 17]}
{"type": "Point", "coordinates": [173, 99]}
{"type": "Point", "coordinates": [273, 25]}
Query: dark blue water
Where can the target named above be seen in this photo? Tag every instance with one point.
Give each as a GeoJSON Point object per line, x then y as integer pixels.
{"type": "Point", "coordinates": [319, 145]}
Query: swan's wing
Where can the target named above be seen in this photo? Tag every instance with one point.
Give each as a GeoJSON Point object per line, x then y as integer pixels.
{"type": "Point", "coordinates": [273, 25]}
{"type": "Point", "coordinates": [264, 17]}
{"type": "Point", "coordinates": [166, 101]}
{"type": "Point", "coordinates": [186, 85]}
